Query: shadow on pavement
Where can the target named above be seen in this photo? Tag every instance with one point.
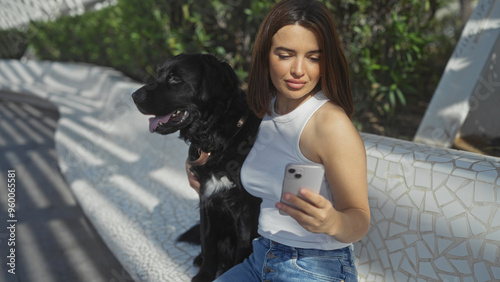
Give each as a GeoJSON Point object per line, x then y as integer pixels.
{"type": "Point", "coordinates": [53, 239]}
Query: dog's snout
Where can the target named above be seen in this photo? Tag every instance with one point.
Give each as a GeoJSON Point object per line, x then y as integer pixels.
{"type": "Point", "coordinates": [139, 96]}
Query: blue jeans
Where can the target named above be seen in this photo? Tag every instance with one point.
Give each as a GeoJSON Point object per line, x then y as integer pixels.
{"type": "Point", "coordinates": [271, 261]}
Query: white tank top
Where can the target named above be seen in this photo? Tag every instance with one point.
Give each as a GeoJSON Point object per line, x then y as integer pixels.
{"type": "Point", "coordinates": [262, 175]}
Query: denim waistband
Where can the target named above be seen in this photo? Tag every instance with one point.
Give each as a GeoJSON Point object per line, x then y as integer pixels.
{"type": "Point", "coordinates": [345, 253]}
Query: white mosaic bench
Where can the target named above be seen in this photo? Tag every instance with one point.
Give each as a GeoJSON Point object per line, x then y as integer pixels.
{"type": "Point", "coordinates": [435, 212]}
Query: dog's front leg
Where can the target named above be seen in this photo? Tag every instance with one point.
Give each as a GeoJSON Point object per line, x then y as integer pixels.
{"type": "Point", "coordinates": [247, 222]}
{"type": "Point", "coordinates": [245, 238]}
{"type": "Point", "coordinates": [209, 255]}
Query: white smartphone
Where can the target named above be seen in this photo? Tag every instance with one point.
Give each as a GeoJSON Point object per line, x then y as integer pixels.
{"type": "Point", "coordinates": [298, 176]}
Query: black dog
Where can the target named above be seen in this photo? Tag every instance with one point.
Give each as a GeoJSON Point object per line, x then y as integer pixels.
{"type": "Point", "coordinates": [200, 97]}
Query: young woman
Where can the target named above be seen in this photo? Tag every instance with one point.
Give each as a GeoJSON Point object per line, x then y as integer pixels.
{"type": "Point", "coordinates": [299, 84]}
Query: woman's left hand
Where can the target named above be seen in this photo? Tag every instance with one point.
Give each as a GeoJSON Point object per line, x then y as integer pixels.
{"type": "Point", "coordinates": [316, 215]}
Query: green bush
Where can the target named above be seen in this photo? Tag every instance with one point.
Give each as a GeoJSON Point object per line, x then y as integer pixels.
{"type": "Point", "coordinates": [129, 37]}
{"type": "Point", "coordinates": [388, 47]}
{"type": "Point", "coordinates": [135, 36]}
{"type": "Point", "coordinates": [391, 45]}
{"type": "Point", "coordinates": [13, 43]}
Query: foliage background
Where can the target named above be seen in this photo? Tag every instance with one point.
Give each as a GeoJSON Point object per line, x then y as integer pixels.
{"type": "Point", "coordinates": [397, 49]}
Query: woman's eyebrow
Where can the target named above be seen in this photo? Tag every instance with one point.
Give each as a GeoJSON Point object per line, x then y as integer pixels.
{"type": "Point", "coordinates": [284, 49]}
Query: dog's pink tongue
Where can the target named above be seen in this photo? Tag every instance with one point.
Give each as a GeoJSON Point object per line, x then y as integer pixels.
{"type": "Point", "coordinates": [153, 122]}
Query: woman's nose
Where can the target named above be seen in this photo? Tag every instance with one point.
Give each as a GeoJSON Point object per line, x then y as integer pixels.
{"type": "Point", "coordinates": [297, 69]}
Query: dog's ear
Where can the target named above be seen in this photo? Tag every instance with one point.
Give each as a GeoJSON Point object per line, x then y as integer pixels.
{"type": "Point", "coordinates": [218, 78]}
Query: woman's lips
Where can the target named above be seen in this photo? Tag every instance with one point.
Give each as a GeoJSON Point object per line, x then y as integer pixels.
{"type": "Point", "coordinates": [295, 84]}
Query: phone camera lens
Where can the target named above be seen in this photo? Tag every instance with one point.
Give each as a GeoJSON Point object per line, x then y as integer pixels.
{"type": "Point", "coordinates": [292, 170]}
{"type": "Point", "coordinates": [298, 175]}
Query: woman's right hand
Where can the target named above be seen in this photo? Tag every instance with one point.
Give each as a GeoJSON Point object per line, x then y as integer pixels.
{"type": "Point", "coordinates": [193, 181]}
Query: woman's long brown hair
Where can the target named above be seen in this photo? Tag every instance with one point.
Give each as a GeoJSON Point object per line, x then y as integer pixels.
{"type": "Point", "coordinates": [314, 16]}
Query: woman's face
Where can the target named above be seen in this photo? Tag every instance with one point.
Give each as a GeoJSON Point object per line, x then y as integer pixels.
{"type": "Point", "coordinates": [294, 64]}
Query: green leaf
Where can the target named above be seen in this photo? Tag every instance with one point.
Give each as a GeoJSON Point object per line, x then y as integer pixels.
{"type": "Point", "coordinates": [401, 97]}
{"type": "Point", "coordinates": [392, 98]}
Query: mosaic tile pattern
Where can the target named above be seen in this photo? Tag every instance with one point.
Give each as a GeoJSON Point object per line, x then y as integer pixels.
{"type": "Point", "coordinates": [18, 13]}
{"type": "Point", "coordinates": [435, 212]}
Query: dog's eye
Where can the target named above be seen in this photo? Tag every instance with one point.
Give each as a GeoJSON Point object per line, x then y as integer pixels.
{"type": "Point", "coordinates": [174, 79]}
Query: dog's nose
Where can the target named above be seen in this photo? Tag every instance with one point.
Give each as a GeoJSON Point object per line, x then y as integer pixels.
{"type": "Point", "coordinates": [139, 96]}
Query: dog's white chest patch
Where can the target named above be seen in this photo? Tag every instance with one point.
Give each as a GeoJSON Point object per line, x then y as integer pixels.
{"type": "Point", "coordinates": [216, 184]}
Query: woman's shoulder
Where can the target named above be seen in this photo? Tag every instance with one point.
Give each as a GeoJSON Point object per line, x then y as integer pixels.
{"type": "Point", "coordinates": [333, 126]}
{"type": "Point", "coordinates": [329, 132]}
{"type": "Point", "coordinates": [331, 117]}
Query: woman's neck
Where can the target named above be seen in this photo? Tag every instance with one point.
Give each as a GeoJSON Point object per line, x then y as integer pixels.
{"type": "Point", "coordinates": [284, 105]}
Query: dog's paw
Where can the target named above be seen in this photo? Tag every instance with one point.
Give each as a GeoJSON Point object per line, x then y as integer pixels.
{"type": "Point", "coordinates": [198, 260]}
{"type": "Point", "coordinates": [191, 236]}
{"type": "Point", "coordinates": [202, 277]}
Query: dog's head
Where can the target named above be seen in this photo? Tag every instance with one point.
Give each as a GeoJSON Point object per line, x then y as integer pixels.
{"type": "Point", "coordinates": [188, 88]}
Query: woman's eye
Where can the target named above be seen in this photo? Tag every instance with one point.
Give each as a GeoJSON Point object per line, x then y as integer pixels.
{"type": "Point", "coordinates": [284, 57]}
{"type": "Point", "coordinates": [314, 59]}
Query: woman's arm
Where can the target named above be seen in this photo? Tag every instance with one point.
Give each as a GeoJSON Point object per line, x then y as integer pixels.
{"type": "Point", "coordinates": [193, 181]}
{"type": "Point", "coordinates": [331, 139]}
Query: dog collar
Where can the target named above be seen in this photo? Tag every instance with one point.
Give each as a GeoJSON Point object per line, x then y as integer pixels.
{"type": "Point", "coordinates": [203, 156]}
{"type": "Point", "coordinates": [240, 123]}
{"type": "Point", "coordinates": [202, 159]}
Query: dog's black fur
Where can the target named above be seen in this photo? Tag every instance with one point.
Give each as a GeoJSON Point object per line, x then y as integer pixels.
{"type": "Point", "coordinates": [210, 112]}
